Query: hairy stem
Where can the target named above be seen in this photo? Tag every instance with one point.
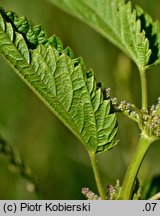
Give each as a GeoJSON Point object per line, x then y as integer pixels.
{"type": "Point", "coordinates": [143, 89]}
{"type": "Point", "coordinates": [132, 171]}
{"type": "Point", "coordinates": [97, 176]}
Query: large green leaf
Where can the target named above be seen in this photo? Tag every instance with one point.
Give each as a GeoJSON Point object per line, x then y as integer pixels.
{"type": "Point", "coordinates": [61, 82]}
{"type": "Point", "coordinates": [120, 24]}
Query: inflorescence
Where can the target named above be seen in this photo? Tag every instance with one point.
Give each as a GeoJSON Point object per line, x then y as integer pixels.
{"type": "Point", "coordinates": [148, 120]}
{"type": "Point", "coordinates": [89, 194]}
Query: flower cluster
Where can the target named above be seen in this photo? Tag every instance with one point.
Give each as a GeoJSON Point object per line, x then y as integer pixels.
{"type": "Point", "coordinates": [89, 194]}
{"type": "Point", "coordinates": [112, 191]}
{"type": "Point", "coordinates": [148, 120]}
{"type": "Point", "coordinates": [151, 119]}
{"type": "Point", "coordinates": [127, 108]}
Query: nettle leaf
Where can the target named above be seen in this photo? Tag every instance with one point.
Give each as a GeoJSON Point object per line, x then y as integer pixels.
{"type": "Point", "coordinates": [63, 83]}
{"type": "Point", "coordinates": [131, 30]}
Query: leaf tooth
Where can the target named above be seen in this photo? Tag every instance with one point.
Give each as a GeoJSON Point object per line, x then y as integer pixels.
{"type": "Point", "coordinates": [9, 31]}
{"type": "Point", "coordinates": [50, 55]}
{"type": "Point", "coordinates": [101, 114]}
{"type": "Point", "coordinates": [78, 84]}
{"type": "Point", "coordinates": [22, 25]}
{"type": "Point", "coordinates": [102, 148]}
{"type": "Point", "coordinates": [113, 134]}
{"type": "Point", "coordinates": [42, 37]}
{"type": "Point", "coordinates": [9, 15]}
{"type": "Point", "coordinates": [2, 23]}
{"type": "Point", "coordinates": [37, 29]}
{"type": "Point", "coordinates": [96, 101]}
{"type": "Point", "coordinates": [91, 85]}
{"type": "Point", "coordinates": [107, 146]}
{"type": "Point", "coordinates": [56, 43]}
{"type": "Point", "coordinates": [106, 139]}
{"type": "Point", "coordinates": [69, 52]}
{"type": "Point", "coordinates": [89, 73]}
{"type": "Point", "coordinates": [103, 137]}
{"type": "Point", "coordinates": [79, 61]}
{"type": "Point", "coordinates": [106, 132]}
{"type": "Point", "coordinates": [22, 46]}
{"type": "Point", "coordinates": [32, 38]}
{"type": "Point", "coordinates": [110, 121]}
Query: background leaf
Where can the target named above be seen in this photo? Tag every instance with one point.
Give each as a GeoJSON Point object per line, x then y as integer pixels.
{"type": "Point", "coordinates": [120, 24]}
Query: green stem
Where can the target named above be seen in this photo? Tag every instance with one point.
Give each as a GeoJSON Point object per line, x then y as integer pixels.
{"type": "Point", "coordinates": [143, 88]}
{"type": "Point", "coordinates": [132, 171]}
{"type": "Point", "coordinates": [97, 176]}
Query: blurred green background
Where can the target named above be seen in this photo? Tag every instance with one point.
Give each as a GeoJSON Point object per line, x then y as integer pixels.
{"type": "Point", "coordinates": [59, 162]}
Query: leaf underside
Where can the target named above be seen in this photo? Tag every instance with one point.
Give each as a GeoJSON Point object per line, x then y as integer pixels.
{"type": "Point", "coordinates": [131, 30]}
{"type": "Point", "coordinates": [62, 82]}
